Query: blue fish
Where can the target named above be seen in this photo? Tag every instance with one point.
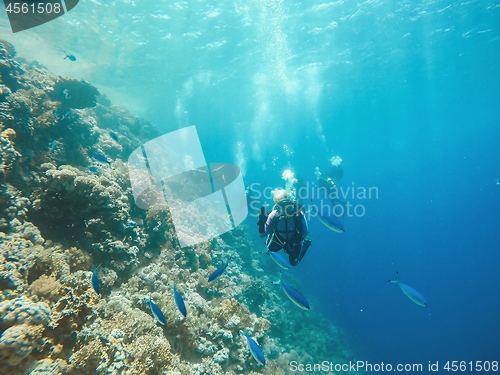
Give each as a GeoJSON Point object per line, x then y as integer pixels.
{"type": "Point", "coordinates": [217, 273]}
{"type": "Point", "coordinates": [69, 57]}
{"type": "Point", "coordinates": [95, 282]}
{"type": "Point", "coordinates": [93, 169]}
{"type": "Point", "coordinates": [329, 220]}
{"type": "Point", "coordinates": [53, 146]}
{"type": "Point", "coordinates": [101, 158]}
{"type": "Point", "coordinates": [179, 301]}
{"type": "Point", "coordinates": [411, 293]}
{"type": "Point", "coordinates": [280, 261]}
{"type": "Point", "coordinates": [294, 295]}
{"type": "Point", "coordinates": [155, 310]}
{"type": "Point", "coordinates": [130, 224]}
{"type": "Point", "coordinates": [255, 350]}
{"type": "Point", "coordinates": [58, 116]}
{"type": "Point", "coordinates": [113, 135]}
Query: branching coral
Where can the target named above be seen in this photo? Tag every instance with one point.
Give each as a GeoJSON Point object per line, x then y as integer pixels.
{"type": "Point", "coordinates": [137, 346]}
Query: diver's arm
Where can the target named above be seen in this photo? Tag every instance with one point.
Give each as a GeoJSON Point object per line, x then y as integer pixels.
{"type": "Point", "coordinates": [269, 223]}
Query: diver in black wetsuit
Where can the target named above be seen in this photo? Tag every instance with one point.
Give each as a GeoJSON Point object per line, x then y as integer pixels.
{"type": "Point", "coordinates": [285, 227]}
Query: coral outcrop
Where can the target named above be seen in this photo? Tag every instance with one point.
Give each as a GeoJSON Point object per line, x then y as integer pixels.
{"type": "Point", "coordinates": [65, 211]}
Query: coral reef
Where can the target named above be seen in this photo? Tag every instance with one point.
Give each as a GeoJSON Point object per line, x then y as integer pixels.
{"type": "Point", "coordinates": [75, 94]}
{"type": "Point", "coordinates": [60, 220]}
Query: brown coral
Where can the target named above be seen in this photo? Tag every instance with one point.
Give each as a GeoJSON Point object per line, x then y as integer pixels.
{"type": "Point", "coordinates": [45, 286]}
{"type": "Point", "coordinates": [17, 343]}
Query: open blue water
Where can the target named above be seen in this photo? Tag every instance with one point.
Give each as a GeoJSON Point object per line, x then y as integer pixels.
{"type": "Point", "coordinates": [407, 93]}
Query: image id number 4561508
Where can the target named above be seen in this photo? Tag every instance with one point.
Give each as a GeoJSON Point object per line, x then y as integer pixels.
{"type": "Point", "coordinates": [43, 7]}
{"type": "Point", "coordinates": [471, 366]}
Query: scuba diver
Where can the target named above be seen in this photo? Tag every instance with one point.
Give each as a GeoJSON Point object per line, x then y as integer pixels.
{"type": "Point", "coordinates": [329, 182]}
{"type": "Point", "coordinates": [285, 227]}
{"type": "Point", "coordinates": [333, 176]}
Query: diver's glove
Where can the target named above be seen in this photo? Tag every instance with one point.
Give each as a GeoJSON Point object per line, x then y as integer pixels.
{"type": "Point", "coordinates": [262, 219]}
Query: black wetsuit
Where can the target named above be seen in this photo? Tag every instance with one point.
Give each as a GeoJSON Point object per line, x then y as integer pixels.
{"type": "Point", "coordinates": [288, 233]}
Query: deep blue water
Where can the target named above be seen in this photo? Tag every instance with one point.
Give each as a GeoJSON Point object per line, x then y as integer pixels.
{"type": "Point", "coordinates": [407, 94]}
